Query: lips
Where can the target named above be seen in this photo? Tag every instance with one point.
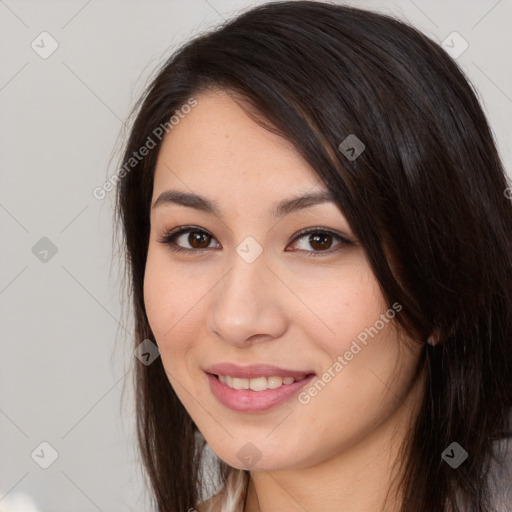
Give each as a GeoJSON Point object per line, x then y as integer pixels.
{"type": "Point", "coordinates": [255, 388]}
{"type": "Point", "coordinates": [255, 371]}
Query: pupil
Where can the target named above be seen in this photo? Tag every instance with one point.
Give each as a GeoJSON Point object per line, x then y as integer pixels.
{"type": "Point", "coordinates": [314, 241]}
{"type": "Point", "coordinates": [196, 237]}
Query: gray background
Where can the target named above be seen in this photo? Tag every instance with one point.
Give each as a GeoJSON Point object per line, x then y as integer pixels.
{"type": "Point", "coordinates": [66, 350]}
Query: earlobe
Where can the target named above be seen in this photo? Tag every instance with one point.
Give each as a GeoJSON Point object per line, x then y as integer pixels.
{"type": "Point", "coordinates": [433, 339]}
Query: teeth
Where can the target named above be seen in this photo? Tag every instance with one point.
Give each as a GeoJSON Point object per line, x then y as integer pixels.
{"type": "Point", "coordinates": [259, 384]}
{"type": "Point", "coordinates": [256, 384]}
{"type": "Point", "coordinates": [240, 383]}
{"type": "Point", "coordinates": [274, 382]}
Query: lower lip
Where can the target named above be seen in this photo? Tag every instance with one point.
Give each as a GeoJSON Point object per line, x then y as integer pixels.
{"type": "Point", "coordinates": [247, 400]}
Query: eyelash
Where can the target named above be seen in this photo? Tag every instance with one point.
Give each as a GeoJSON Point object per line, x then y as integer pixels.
{"type": "Point", "coordinates": [169, 237]}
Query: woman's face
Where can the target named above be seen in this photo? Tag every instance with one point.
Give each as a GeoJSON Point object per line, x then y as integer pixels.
{"type": "Point", "coordinates": [251, 292]}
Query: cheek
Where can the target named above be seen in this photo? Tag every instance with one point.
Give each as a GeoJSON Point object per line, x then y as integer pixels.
{"type": "Point", "coordinates": [344, 304]}
{"type": "Point", "coordinates": [345, 408]}
{"type": "Point", "coordinates": [164, 305]}
{"type": "Point", "coordinates": [365, 365]}
{"type": "Point", "coordinates": [173, 305]}
{"type": "Point", "coordinates": [157, 299]}
{"type": "Point", "coordinates": [166, 311]}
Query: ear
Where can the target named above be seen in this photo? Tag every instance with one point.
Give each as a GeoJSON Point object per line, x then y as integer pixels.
{"type": "Point", "coordinates": [433, 339]}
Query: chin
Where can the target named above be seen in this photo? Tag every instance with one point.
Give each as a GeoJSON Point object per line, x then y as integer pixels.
{"type": "Point", "coordinates": [251, 458]}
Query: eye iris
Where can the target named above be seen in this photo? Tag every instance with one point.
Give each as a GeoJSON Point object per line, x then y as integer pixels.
{"type": "Point", "coordinates": [201, 238]}
{"type": "Point", "coordinates": [318, 241]}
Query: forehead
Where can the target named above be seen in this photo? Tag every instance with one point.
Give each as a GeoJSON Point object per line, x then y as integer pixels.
{"type": "Point", "coordinates": [218, 145]}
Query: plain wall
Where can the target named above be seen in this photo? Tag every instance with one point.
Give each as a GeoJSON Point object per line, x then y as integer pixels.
{"type": "Point", "coordinates": [62, 371]}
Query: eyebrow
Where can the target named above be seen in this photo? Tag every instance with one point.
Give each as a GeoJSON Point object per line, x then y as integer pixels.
{"type": "Point", "coordinates": [280, 209]}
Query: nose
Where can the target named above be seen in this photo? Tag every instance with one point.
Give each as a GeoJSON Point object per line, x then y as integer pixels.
{"type": "Point", "coordinates": [248, 304]}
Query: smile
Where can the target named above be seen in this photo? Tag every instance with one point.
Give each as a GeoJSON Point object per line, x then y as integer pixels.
{"type": "Point", "coordinates": [255, 388]}
{"type": "Point", "coordinates": [257, 384]}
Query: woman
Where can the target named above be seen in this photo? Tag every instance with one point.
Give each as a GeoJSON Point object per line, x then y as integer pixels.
{"type": "Point", "coordinates": [319, 243]}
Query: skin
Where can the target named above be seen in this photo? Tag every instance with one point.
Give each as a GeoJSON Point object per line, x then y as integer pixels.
{"type": "Point", "coordinates": [285, 308]}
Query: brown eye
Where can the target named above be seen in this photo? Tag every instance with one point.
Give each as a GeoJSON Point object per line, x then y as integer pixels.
{"type": "Point", "coordinates": [320, 240]}
{"type": "Point", "coordinates": [198, 239]}
{"type": "Point", "coordinates": [178, 239]}
{"type": "Point", "coordinates": [317, 241]}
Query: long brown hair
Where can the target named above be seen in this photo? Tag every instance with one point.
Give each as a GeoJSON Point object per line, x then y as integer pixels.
{"type": "Point", "coordinates": [427, 194]}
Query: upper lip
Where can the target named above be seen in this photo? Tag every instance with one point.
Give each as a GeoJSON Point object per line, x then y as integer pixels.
{"type": "Point", "coordinates": [254, 371]}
